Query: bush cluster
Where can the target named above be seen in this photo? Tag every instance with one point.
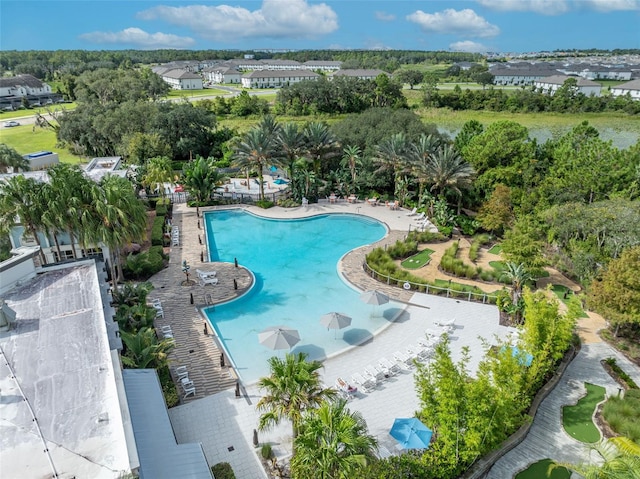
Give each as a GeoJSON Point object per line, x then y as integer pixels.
{"type": "Point", "coordinates": [144, 265]}
{"type": "Point", "coordinates": [223, 470]}
{"type": "Point", "coordinates": [451, 264]}
{"type": "Point", "coordinates": [403, 249]}
{"type": "Point", "coordinates": [476, 244]}
{"type": "Point", "coordinates": [157, 231]}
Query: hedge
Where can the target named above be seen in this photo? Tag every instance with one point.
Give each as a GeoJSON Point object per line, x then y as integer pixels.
{"type": "Point", "coordinates": [157, 231]}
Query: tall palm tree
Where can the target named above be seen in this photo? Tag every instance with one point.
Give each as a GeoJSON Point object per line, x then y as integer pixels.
{"type": "Point", "coordinates": [393, 155]}
{"type": "Point", "coordinates": [448, 170]}
{"type": "Point", "coordinates": [293, 386]}
{"type": "Point", "coordinates": [257, 149]}
{"type": "Point", "coordinates": [119, 218]}
{"type": "Point", "coordinates": [420, 156]}
{"type": "Point", "coordinates": [352, 158]}
{"type": "Point", "coordinates": [519, 276]}
{"type": "Point", "coordinates": [10, 158]}
{"type": "Point", "coordinates": [200, 177]}
{"type": "Point", "coordinates": [290, 141]}
{"type": "Point", "coordinates": [333, 443]}
{"type": "Point", "coordinates": [321, 145]}
{"type": "Point", "coordinates": [158, 171]}
{"type": "Point", "coordinates": [19, 201]}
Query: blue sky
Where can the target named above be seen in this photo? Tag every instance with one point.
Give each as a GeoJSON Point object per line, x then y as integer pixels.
{"type": "Point", "coordinates": [475, 25]}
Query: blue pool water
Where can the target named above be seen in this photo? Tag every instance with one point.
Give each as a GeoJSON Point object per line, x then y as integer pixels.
{"type": "Point", "coordinates": [295, 265]}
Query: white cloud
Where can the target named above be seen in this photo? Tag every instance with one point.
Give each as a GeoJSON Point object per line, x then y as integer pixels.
{"type": "Point", "coordinates": [468, 46]}
{"type": "Point", "coordinates": [385, 17]}
{"type": "Point", "coordinates": [611, 5]}
{"type": "Point", "coordinates": [545, 7]}
{"type": "Point", "coordinates": [462, 22]}
{"type": "Point", "coordinates": [139, 38]}
{"type": "Point", "coordinates": [276, 19]}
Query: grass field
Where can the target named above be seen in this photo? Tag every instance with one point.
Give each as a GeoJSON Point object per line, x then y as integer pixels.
{"type": "Point", "coordinates": [577, 419]}
{"type": "Point", "coordinates": [10, 115]}
{"type": "Point", "coordinates": [495, 249]}
{"type": "Point", "coordinates": [418, 260]}
{"type": "Point", "coordinates": [196, 93]}
{"type": "Point", "coordinates": [24, 139]}
{"type": "Point", "coordinates": [540, 470]}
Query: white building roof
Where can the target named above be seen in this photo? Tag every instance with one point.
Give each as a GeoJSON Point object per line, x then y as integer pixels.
{"type": "Point", "coordinates": [60, 409]}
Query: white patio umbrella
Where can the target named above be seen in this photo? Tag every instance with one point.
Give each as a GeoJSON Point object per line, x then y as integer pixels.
{"type": "Point", "coordinates": [374, 297]}
{"type": "Point", "coordinates": [335, 321]}
{"type": "Point", "coordinates": [279, 337]}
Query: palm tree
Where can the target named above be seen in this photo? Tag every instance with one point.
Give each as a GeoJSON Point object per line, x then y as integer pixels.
{"type": "Point", "coordinates": [256, 151]}
{"type": "Point", "coordinates": [10, 158]}
{"type": "Point", "coordinates": [620, 460]}
{"type": "Point", "coordinates": [118, 218]}
{"type": "Point", "coordinates": [420, 156]}
{"type": "Point", "coordinates": [352, 158]}
{"type": "Point", "coordinates": [393, 154]}
{"type": "Point", "coordinates": [143, 349]}
{"type": "Point", "coordinates": [293, 386]}
{"type": "Point", "coordinates": [290, 141]}
{"type": "Point", "coordinates": [519, 276]}
{"type": "Point", "coordinates": [321, 144]}
{"type": "Point", "coordinates": [158, 171]}
{"type": "Point", "coordinates": [200, 177]}
{"type": "Point", "coordinates": [333, 443]}
{"type": "Point", "coordinates": [448, 170]}
{"type": "Point", "coordinates": [20, 201]}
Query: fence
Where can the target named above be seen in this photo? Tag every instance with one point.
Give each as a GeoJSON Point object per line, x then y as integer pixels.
{"type": "Point", "coordinates": [428, 288]}
{"type": "Point", "coordinates": [226, 198]}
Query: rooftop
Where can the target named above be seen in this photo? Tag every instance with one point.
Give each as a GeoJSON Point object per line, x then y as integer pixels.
{"type": "Point", "coordinates": [60, 409]}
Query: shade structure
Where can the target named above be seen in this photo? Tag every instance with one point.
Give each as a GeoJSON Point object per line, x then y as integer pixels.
{"type": "Point", "coordinates": [411, 433]}
{"type": "Point", "coordinates": [374, 297]}
{"type": "Point", "coordinates": [279, 337]}
{"type": "Point", "coordinates": [335, 320]}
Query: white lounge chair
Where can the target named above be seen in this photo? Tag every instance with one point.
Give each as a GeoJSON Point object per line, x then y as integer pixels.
{"type": "Point", "coordinates": [181, 372]}
{"type": "Point", "coordinates": [412, 212]}
{"type": "Point", "coordinates": [366, 384]}
{"type": "Point", "coordinates": [206, 274]}
{"type": "Point", "coordinates": [420, 217]}
{"type": "Point", "coordinates": [402, 357]}
{"type": "Point", "coordinates": [345, 389]}
{"type": "Point", "coordinates": [447, 324]}
{"type": "Point", "coordinates": [166, 331]}
{"type": "Point", "coordinates": [205, 281]}
{"type": "Point", "coordinates": [189, 389]}
{"type": "Point", "coordinates": [377, 374]}
{"type": "Point", "coordinates": [388, 367]}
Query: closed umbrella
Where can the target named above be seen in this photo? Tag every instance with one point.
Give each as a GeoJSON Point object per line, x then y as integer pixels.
{"type": "Point", "coordinates": [411, 433]}
{"type": "Point", "coordinates": [335, 320]}
{"type": "Point", "coordinates": [279, 337]}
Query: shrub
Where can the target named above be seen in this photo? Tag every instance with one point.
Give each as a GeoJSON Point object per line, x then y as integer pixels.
{"type": "Point", "coordinates": [287, 203]}
{"type": "Point", "coordinates": [144, 265]}
{"type": "Point", "coordinates": [161, 210]}
{"type": "Point", "coordinates": [169, 390]}
{"type": "Point", "coordinates": [403, 249]}
{"type": "Point", "coordinates": [266, 452]}
{"type": "Point", "coordinates": [223, 470]}
{"type": "Point", "coordinates": [264, 204]}
{"type": "Point", "coordinates": [157, 231]}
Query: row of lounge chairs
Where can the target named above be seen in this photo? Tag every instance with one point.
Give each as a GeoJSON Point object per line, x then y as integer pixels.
{"type": "Point", "coordinates": [175, 236]}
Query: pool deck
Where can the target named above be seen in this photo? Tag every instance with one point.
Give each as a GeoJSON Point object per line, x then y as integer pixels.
{"type": "Point", "coordinates": [219, 419]}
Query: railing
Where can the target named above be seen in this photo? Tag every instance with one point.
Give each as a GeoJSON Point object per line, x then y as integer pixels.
{"type": "Point", "coordinates": [428, 288]}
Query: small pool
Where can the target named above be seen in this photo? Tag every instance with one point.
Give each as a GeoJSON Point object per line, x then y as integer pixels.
{"type": "Point", "coordinates": [295, 265]}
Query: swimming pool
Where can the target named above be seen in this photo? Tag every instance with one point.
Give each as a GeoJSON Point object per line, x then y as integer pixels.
{"type": "Point", "coordinates": [295, 266]}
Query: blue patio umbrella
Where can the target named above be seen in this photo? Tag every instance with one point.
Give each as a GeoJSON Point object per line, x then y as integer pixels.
{"type": "Point", "coordinates": [411, 433]}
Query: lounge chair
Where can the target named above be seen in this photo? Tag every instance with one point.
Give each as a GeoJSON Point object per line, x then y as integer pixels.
{"type": "Point", "coordinates": [447, 324]}
{"type": "Point", "coordinates": [402, 357]}
{"type": "Point", "coordinates": [346, 390]}
{"type": "Point", "coordinates": [205, 281]}
{"type": "Point", "coordinates": [377, 374]}
{"type": "Point", "coordinates": [421, 216]}
{"type": "Point", "coordinates": [189, 389]}
{"type": "Point", "coordinates": [412, 212]}
{"type": "Point", "coordinates": [366, 384]}
{"type": "Point", "coordinates": [167, 332]}
{"type": "Point", "coordinates": [206, 274]}
{"type": "Point", "coordinates": [388, 367]}
{"type": "Point", "coordinates": [181, 372]}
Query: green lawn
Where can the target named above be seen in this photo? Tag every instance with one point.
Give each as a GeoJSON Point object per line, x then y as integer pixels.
{"type": "Point", "coordinates": [540, 470]}
{"type": "Point", "coordinates": [560, 291]}
{"type": "Point", "coordinates": [418, 260]}
{"type": "Point", "coordinates": [193, 93]}
{"type": "Point", "coordinates": [497, 265]}
{"type": "Point", "coordinates": [496, 249]}
{"type": "Point", "coordinates": [577, 420]}
{"type": "Point", "coordinates": [25, 140]}
{"type": "Point", "coordinates": [10, 115]}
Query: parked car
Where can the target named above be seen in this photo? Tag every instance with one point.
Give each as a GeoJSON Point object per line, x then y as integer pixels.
{"type": "Point", "coordinates": [11, 123]}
